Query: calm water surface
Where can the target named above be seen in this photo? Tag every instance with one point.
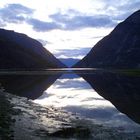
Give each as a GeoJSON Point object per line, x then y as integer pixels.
{"type": "Point", "coordinates": [104, 97]}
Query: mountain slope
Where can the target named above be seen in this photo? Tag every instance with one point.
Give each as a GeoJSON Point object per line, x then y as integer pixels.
{"type": "Point", "coordinates": [120, 49]}
{"type": "Point", "coordinates": [18, 51]}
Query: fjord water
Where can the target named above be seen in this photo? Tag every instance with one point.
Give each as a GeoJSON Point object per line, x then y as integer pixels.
{"type": "Point", "coordinates": [106, 98]}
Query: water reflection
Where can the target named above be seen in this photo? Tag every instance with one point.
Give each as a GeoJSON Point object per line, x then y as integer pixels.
{"type": "Point", "coordinates": [85, 94]}
{"type": "Point", "coordinates": [76, 95]}
{"type": "Point", "coordinates": [30, 86]}
{"type": "Point", "coordinates": [66, 92]}
{"type": "Point", "coordinates": [122, 90]}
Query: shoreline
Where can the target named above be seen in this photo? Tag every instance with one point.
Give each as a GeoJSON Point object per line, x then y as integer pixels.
{"type": "Point", "coordinates": [20, 118]}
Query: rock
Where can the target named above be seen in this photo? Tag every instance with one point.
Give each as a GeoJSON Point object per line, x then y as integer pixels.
{"type": "Point", "coordinates": [77, 132]}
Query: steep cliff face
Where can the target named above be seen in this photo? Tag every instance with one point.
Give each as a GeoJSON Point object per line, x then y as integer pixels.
{"type": "Point", "coordinates": [18, 51]}
{"type": "Point", "coordinates": [120, 49]}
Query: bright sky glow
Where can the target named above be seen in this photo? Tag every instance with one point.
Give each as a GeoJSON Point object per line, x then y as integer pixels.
{"type": "Point", "coordinates": [65, 24]}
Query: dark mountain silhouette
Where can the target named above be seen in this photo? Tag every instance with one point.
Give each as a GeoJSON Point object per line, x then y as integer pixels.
{"type": "Point", "coordinates": [30, 86]}
{"type": "Point", "coordinates": [18, 51]}
{"type": "Point", "coordinates": [120, 49]}
{"type": "Point", "coordinates": [121, 90]}
{"type": "Point", "coordinates": [69, 61]}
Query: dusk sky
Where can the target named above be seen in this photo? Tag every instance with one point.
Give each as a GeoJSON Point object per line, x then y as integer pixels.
{"type": "Point", "coordinates": [67, 28]}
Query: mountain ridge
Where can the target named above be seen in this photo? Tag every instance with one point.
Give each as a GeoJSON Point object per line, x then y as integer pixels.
{"type": "Point", "coordinates": [18, 51]}
{"type": "Point", "coordinates": [119, 49]}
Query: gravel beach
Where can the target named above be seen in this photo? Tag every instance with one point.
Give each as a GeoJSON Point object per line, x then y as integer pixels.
{"type": "Point", "coordinates": [21, 119]}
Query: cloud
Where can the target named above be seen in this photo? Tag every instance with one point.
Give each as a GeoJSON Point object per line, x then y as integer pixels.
{"type": "Point", "coordinates": [122, 5]}
{"type": "Point", "coordinates": [120, 10]}
{"type": "Point", "coordinates": [42, 26]}
{"type": "Point", "coordinates": [14, 13]}
{"type": "Point", "coordinates": [17, 13]}
{"type": "Point", "coordinates": [43, 42]}
{"type": "Point", "coordinates": [110, 12]}
{"type": "Point", "coordinates": [75, 84]}
{"type": "Point", "coordinates": [73, 53]}
{"type": "Point", "coordinates": [74, 20]}
{"type": "Point", "coordinates": [2, 24]}
{"type": "Point", "coordinates": [132, 6]}
{"type": "Point", "coordinates": [108, 16]}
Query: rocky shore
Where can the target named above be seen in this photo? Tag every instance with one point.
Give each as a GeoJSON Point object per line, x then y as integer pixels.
{"type": "Point", "coordinates": [21, 119]}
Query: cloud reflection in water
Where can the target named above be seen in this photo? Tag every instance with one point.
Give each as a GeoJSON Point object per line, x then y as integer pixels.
{"type": "Point", "coordinates": [77, 96]}
{"type": "Point", "coordinates": [72, 92]}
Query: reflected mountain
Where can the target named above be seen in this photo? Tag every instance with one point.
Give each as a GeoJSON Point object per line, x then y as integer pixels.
{"type": "Point", "coordinates": [74, 94]}
{"type": "Point", "coordinates": [122, 91]}
{"type": "Point", "coordinates": [30, 86]}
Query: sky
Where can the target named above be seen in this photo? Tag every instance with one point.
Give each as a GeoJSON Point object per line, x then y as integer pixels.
{"type": "Point", "coordinates": [67, 28]}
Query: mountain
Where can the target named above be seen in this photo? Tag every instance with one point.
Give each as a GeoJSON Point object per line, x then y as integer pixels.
{"type": "Point", "coordinates": [69, 61]}
{"type": "Point", "coordinates": [119, 49]}
{"type": "Point", "coordinates": [18, 51]}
